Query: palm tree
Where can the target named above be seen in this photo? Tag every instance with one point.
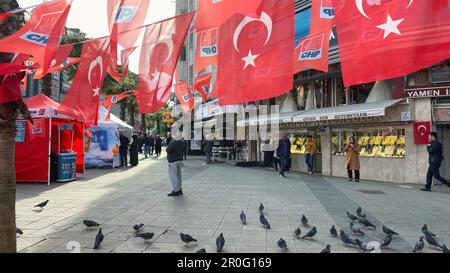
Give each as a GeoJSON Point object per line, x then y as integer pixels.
{"type": "Point", "coordinates": [8, 114]}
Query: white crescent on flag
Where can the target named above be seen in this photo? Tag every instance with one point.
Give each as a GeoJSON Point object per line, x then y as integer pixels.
{"type": "Point", "coordinates": [264, 18]}
{"type": "Point", "coordinates": [97, 61]}
{"type": "Point", "coordinates": [162, 40]}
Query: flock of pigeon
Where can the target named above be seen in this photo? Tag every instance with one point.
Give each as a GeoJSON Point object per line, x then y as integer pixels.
{"type": "Point", "coordinates": [357, 222]}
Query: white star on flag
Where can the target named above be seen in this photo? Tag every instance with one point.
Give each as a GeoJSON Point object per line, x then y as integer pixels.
{"type": "Point", "coordinates": [96, 91]}
{"type": "Point", "coordinates": [391, 26]}
{"type": "Point", "coordinates": [156, 74]}
{"type": "Point", "coordinates": [250, 59]}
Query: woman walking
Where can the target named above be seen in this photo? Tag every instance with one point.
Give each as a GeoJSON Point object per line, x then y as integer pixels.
{"type": "Point", "coordinates": [134, 151]}
{"type": "Point", "coordinates": [352, 150]}
{"type": "Point", "coordinates": [158, 144]}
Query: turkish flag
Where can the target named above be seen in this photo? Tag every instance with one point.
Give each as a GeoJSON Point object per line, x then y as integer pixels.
{"type": "Point", "coordinates": [202, 85]}
{"type": "Point", "coordinates": [124, 56]}
{"type": "Point", "coordinates": [10, 68]}
{"type": "Point", "coordinates": [312, 52]}
{"type": "Point", "coordinates": [10, 89]}
{"type": "Point", "coordinates": [322, 16]}
{"type": "Point", "coordinates": [161, 49]}
{"type": "Point", "coordinates": [41, 35]}
{"type": "Point", "coordinates": [421, 132]}
{"type": "Point", "coordinates": [255, 61]}
{"type": "Point", "coordinates": [60, 61]}
{"type": "Point", "coordinates": [387, 39]}
{"type": "Point", "coordinates": [84, 93]}
{"type": "Point", "coordinates": [184, 96]}
{"type": "Point", "coordinates": [207, 49]}
{"type": "Point", "coordinates": [213, 13]}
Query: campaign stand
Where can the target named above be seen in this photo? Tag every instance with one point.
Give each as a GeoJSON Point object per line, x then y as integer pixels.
{"type": "Point", "coordinates": [66, 159]}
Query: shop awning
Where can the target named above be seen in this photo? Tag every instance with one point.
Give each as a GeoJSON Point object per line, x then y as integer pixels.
{"type": "Point", "coordinates": [282, 118]}
{"type": "Point", "coordinates": [363, 110]}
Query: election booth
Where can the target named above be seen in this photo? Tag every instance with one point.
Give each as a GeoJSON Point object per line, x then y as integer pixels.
{"type": "Point", "coordinates": [103, 145]}
{"type": "Point", "coordinates": [50, 149]}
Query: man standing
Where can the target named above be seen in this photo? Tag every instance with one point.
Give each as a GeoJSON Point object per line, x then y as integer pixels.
{"type": "Point", "coordinates": [151, 141]}
{"type": "Point", "coordinates": [284, 153]}
{"type": "Point", "coordinates": [434, 159]}
{"type": "Point", "coordinates": [123, 149]}
{"type": "Point", "coordinates": [309, 155]}
{"type": "Point", "coordinates": [175, 158]}
{"type": "Point", "coordinates": [146, 142]}
{"type": "Point", "coordinates": [207, 148]}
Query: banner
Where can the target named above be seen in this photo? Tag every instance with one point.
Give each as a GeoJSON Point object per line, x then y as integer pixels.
{"type": "Point", "coordinates": [421, 132]}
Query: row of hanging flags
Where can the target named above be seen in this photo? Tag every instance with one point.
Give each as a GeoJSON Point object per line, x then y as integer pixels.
{"type": "Point", "coordinates": [251, 43]}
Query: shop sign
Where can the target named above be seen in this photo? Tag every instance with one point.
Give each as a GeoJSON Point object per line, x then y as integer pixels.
{"type": "Point", "coordinates": [428, 92]}
{"type": "Point", "coordinates": [340, 116]}
{"type": "Point", "coordinates": [167, 117]}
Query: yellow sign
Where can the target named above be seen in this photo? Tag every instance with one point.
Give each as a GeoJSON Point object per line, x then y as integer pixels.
{"type": "Point", "coordinates": [168, 117]}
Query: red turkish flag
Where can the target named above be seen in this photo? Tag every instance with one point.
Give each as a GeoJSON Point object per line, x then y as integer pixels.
{"type": "Point", "coordinates": [161, 49]}
{"type": "Point", "coordinates": [312, 52]}
{"type": "Point", "coordinates": [213, 13]}
{"type": "Point", "coordinates": [124, 56]}
{"type": "Point", "coordinates": [60, 61]}
{"type": "Point", "coordinates": [421, 132]}
{"type": "Point", "coordinates": [387, 39]}
{"type": "Point", "coordinates": [10, 89]}
{"type": "Point", "coordinates": [84, 93]}
{"type": "Point", "coordinates": [41, 35]}
{"type": "Point", "coordinates": [256, 60]}
{"type": "Point", "coordinates": [10, 68]}
{"type": "Point", "coordinates": [207, 50]}
{"type": "Point", "coordinates": [322, 16]}
{"type": "Point", "coordinates": [184, 95]}
{"type": "Point", "coordinates": [202, 85]}
{"type": "Point", "coordinates": [126, 15]}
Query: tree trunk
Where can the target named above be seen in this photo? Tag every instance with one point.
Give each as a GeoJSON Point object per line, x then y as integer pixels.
{"type": "Point", "coordinates": [132, 114]}
{"type": "Point", "coordinates": [123, 108]}
{"type": "Point", "coordinates": [158, 124]}
{"type": "Point", "coordinates": [7, 178]}
{"type": "Point", "coordinates": [143, 124]}
{"type": "Point", "coordinates": [46, 85]}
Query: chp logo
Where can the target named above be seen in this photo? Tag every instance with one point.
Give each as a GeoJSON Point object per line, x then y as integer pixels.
{"type": "Point", "coordinates": [326, 9]}
{"type": "Point", "coordinates": [205, 89]}
{"type": "Point", "coordinates": [186, 98]}
{"type": "Point", "coordinates": [208, 43]}
{"type": "Point", "coordinates": [36, 38]}
{"type": "Point", "coordinates": [311, 48]}
{"type": "Point", "coordinates": [46, 23]}
{"type": "Point", "coordinates": [114, 99]}
{"type": "Point", "coordinates": [125, 14]}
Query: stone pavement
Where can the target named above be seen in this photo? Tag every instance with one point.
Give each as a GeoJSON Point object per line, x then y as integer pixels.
{"type": "Point", "coordinates": [214, 196]}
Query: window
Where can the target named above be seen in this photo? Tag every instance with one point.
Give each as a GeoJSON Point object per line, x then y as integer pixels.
{"type": "Point", "coordinates": [302, 22]}
{"type": "Point", "coordinates": [372, 142]}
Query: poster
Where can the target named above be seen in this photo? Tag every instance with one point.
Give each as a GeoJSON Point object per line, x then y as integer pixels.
{"type": "Point", "coordinates": [100, 154]}
{"type": "Point", "coordinates": [20, 131]}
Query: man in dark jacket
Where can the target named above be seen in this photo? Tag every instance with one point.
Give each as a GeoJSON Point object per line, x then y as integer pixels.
{"type": "Point", "coordinates": [151, 143]}
{"type": "Point", "coordinates": [123, 149]}
{"type": "Point", "coordinates": [175, 157]}
{"type": "Point", "coordinates": [284, 153]}
{"type": "Point", "coordinates": [434, 159]}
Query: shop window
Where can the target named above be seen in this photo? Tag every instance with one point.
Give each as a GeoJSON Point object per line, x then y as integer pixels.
{"type": "Point", "coordinates": [373, 143]}
{"type": "Point", "coordinates": [358, 94]}
{"type": "Point", "coordinates": [298, 141]}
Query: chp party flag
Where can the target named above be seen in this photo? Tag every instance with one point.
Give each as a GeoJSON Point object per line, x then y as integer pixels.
{"type": "Point", "coordinates": [184, 95]}
{"type": "Point", "coordinates": [124, 56]}
{"type": "Point", "coordinates": [84, 93]}
{"type": "Point", "coordinates": [60, 61]}
{"type": "Point", "coordinates": [322, 16]}
{"type": "Point", "coordinates": [41, 35]}
{"type": "Point", "coordinates": [312, 52]}
{"type": "Point", "coordinates": [213, 13]}
{"type": "Point", "coordinates": [206, 52]}
{"type": "Point", "coordinates": [255, 61]}
{"type": "Point", "coordinates": [161, 48]}
{"type": "Point", "coordinates": [388, 39]}
{"type": "Point", "coordinates": [112, 99]}
{"type": "Point", "coordinates": [202, 85]}
{"type": "Point", "coordinates": [10, 88]}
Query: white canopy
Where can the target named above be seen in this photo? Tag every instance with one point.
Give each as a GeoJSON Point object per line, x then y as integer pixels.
{"type": "Point", "coordinates": [123, 126]}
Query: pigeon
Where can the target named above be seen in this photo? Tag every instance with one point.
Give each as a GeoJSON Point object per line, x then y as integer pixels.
{"type": "Point", "coordinates": [346, 239]}
{"type": "Point", "coordinates": [386, 241]}
{"type": "Point", "coordinates": [261, 207]}
{"type": "Point", "coordinates": [327, 249]}
{"type": "Point", "coordinates": [202, 250]}
{"type": "Point", "coordinates": [430, 239]}
{"type": "Point", "coordinates": [297, 233]}
{"type": "Point", "coordinates": [419, 245]}
{"type": "Point", "coordinates": [445, 249]}
{"type": "Point", "coordinates": [186, 238]}
{"type": "Point", "coordinates": [243, 218]}
{"type": "Point", "coordinates": [425, 230]}
{"type": "Point", "coordinates": [310, 233]}
{"type": "Point", "coordinates": [42, 205]}
{"type": "Point", "coordinates": [282, 244]}
{"type": "Point", "coordinates": [356, 228]}
{"type": "Point", "coordinates": [138, 227]}
{"type": "Point", "coordinates": [304, 221]}
{"type": "Point", "coordinates": [333, 231]}
{"type": "Point", "coordinates": [359, 213]}
{"type": "Point", "coordinates": [220, 242]}
{"type": "Point", "coordinates": [367, 223]}
{"type": "Point", "coordinates": [98, 239]}
{"type": "Point", "coordinates": [264, 221]}
{"type": "Point", "coordinates": [389, 231]}
{"type": "Point", "coordinates": [352, 217]}
{"type": "Point", "coordinates": [90, 223]}
{"type": "Point", "coordinates": [19, 231]}
{"type": "Point", "coordinates": [146, 236]}
{"type": "Point", "coordinates": [362, 246]}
